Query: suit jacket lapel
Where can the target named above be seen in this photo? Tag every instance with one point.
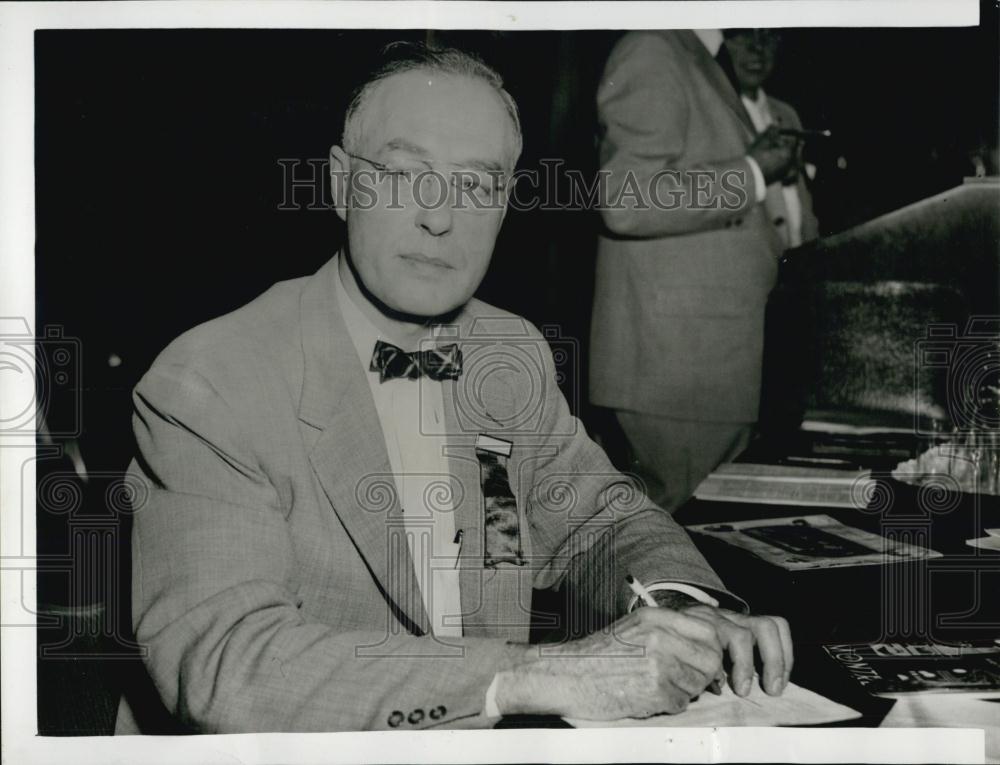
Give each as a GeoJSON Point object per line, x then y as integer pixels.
{"type": "Point", "coordinates": [349, 455]}
{"type": "Point", "coordinates": [711, 69]}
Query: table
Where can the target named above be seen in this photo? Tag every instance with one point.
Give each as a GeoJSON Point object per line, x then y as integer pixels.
{"type": "Point", "coordinates": [943, 599]}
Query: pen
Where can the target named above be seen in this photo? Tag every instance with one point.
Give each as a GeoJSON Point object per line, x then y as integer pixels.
{"type": "Point", "coordinates": [640, 589]}
{"type": "Point", "coordinates": [458, 541]}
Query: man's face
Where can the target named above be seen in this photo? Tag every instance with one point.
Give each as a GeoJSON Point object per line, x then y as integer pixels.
{"type": "Point", "coordinates": [420, 257]}
{"type": "Point", "coordinates": [753, 53]}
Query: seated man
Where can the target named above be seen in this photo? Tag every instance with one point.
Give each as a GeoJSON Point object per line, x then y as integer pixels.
{"type": "Point", "coordinates": [356, 481]}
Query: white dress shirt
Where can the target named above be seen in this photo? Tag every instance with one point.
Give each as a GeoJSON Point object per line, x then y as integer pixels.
{"type": "Point", "coordinates": [760, 114]}
{"type": "Point", "coordinates": [420, 471]}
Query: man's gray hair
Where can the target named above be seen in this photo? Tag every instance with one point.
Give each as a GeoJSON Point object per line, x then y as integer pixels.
{"type": "Point", "coordinates": [400, 57]}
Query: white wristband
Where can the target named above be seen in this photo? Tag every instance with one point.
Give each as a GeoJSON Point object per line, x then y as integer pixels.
{"type": "Point", "coordinates": [690, 590]}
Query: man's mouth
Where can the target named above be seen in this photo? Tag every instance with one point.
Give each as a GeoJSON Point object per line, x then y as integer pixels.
{"type": "Point", "coordinates": [417, 258]}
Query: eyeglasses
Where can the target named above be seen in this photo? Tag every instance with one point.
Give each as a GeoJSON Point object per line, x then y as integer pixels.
{"type": "Point", "coordinates": [411, 180]}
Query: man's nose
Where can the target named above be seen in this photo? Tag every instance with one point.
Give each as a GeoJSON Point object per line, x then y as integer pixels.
{"type": "Point", "coordinates": [436, 217]}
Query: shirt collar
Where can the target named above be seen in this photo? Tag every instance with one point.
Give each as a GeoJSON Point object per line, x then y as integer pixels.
{"type": "Point", "coordinates": [711, 39]}
{"type": "Point", "coordinates": [364, 334]}
{"type": "Point", "coordinates": [758, 109]}
{"type": "Point", "coordinates": [760, 101]}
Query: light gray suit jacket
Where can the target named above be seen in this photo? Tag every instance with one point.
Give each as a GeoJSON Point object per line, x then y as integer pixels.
{"type": "Point", "coordinates": [678, 322]}
{"type": "Point", "coordinates": [271, 584]}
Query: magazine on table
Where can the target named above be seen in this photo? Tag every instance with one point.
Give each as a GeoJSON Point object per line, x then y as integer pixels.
{"type": "Point", "coordinates": [904, 668]}
{"type": "Point", "coordinates": [811, 542]}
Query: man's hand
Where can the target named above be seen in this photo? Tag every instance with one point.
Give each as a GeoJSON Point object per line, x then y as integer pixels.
{"type": "Point", "coordinates": [738, 634]}
{"type": "Point", "coordinates": [775, 154]}
{"type": "Point", "coordinates": [651, 661]}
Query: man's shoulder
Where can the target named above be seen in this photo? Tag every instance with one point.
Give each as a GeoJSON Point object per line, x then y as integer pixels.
{"type": "Point", "coordinates": [657, 56]}
{"type": "Point", "coordinates": [661, 38]}
{"type": "Point", "coordinates": [256, 336]}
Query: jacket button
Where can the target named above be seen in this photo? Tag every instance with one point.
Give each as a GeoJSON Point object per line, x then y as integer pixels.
{"type": "Point", "coordinates": [729, 224]}
{"type": "Point", "coordinates": [438, 712]}
{"type": "Point", "coordinates": [395, 719]}
{"type": "Point", "coordinates": [739, 221]}
{"type": "Point", "coordinates": [416, 716]}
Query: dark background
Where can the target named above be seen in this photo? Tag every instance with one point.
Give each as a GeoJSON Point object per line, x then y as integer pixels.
{"type": "Point", "coordinates": [158, 188]}
{"type": "Point", "coordinates": [158, 181]}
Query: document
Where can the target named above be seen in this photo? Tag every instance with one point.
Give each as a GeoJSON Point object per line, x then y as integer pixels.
{"type": "Point", "coordinates": [796, 706]}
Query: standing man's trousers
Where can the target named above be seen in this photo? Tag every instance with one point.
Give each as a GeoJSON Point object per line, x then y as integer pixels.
{"type": "Point", "coordinates": [672, 456]}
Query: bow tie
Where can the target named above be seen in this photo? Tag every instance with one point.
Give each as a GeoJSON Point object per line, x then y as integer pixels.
{"type": "Point", "coordinates": [441, 363]}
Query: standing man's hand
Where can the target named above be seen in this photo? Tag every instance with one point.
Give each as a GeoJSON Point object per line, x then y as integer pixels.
{"type": "Point", "coordinates": [775, 154]}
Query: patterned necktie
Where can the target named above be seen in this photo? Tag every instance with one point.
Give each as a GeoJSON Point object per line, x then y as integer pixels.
{"type": "Point", "coordinates": [441, 363]}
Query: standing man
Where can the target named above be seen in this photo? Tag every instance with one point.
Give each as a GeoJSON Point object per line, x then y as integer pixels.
{"type": "Point", "coordinates": [753, 54]}
{"type": "Point", "coordinates": [353, 484]}
{"type": "Point", "coordinates": [688, 257]}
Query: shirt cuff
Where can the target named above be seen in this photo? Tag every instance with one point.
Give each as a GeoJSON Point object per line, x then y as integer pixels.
{"type": "Point", "coordinates": [690, 590]}
{"type": "Point", "coordinates": [491, 709]}
{"type": "Point", "coordinates": [759, 184]}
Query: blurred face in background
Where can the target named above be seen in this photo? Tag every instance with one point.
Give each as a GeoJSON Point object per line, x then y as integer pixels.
{"type": "Point", "coordinates": [426, 257]}
{"type": "Point", "coordinates": [753, 53]}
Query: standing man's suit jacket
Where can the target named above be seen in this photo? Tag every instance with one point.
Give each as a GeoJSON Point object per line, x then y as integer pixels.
{"type": "Point", "coordinates": [271, 585]}
{"type": "Point", "coordinates": [678, 323]}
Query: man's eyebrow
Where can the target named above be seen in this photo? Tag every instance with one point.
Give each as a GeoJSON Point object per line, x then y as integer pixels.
{"type": "Point", "coordinates": [401, 144]}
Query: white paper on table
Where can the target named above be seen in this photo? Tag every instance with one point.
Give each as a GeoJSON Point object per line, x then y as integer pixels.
{"type": "Point", "coordinates": [948, 710]}
{"type": "Point", "coordinates": [796, 706]}
{"type": "Point", "coordinates": [986, 543]}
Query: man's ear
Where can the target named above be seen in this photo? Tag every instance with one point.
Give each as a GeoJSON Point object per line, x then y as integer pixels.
{"type": "Point", "coordinates": [340, 169]}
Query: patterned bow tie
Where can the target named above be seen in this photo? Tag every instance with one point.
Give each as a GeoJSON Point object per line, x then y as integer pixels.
{"type": "Point", "coordinates": [441, 363]}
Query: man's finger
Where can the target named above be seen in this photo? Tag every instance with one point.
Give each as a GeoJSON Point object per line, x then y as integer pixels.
{"type": "Point", "coordinates": [772, 653]}
{"type": "Point", "coordinates": [689, 678]}
{"type": "Point", "coordinates": [738, 643]}
{"type": "Point", "coordinates": [785, 633]}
